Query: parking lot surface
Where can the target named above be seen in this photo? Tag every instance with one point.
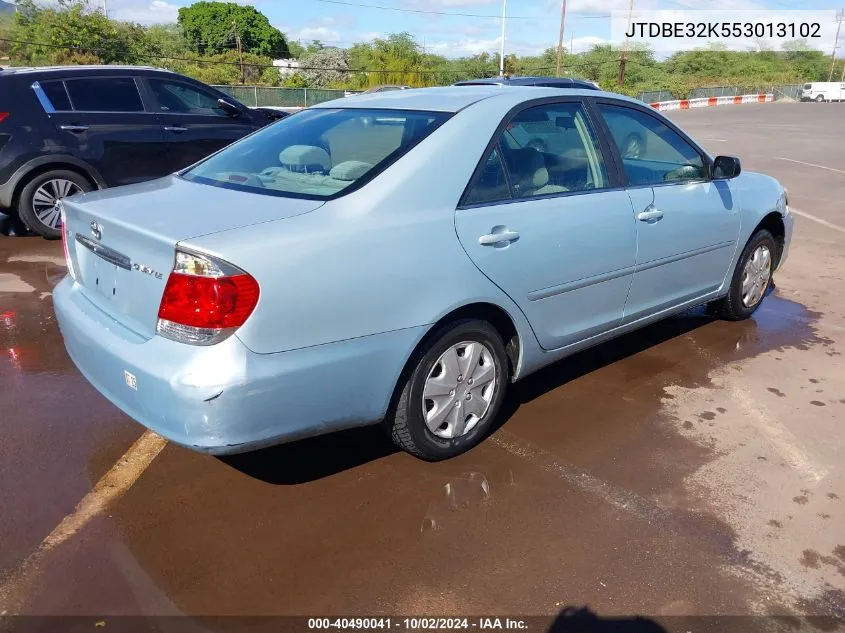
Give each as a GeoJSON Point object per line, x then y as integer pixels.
{"type": "Point", "coordinates": [695, 467]}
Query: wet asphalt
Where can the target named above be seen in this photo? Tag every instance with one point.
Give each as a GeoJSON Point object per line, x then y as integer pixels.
{"type": "Point", "coordinates": [660, 474]}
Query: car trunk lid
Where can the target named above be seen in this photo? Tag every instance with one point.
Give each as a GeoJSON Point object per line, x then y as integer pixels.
{"type": "Point", "coordinates": [122, 242]}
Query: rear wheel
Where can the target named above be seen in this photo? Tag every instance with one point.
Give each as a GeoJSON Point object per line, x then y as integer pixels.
{"type": "Point", "coordinates": [38, 201]}
{"type": "Point", "coordinates": [453, 391]}
{"type": "Point", "coordinates": [751, 279]}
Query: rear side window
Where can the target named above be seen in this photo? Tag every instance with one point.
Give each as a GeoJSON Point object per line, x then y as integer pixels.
{"type": "Point", "coordinates": [105, 94]}
{"type": "Point", "coordinates": [317, 153]}
{"type": "Point", "coordinates": [56, 93]}
{"type": "Point", "coordinates": [490, 184]}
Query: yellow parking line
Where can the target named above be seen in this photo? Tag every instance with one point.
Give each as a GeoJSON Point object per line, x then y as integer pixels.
{"type": "Point", "coordinates": [120, 478]}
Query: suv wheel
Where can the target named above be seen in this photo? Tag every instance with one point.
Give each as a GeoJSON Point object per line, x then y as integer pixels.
{"type": "Point", "coordinates": [38, 201]}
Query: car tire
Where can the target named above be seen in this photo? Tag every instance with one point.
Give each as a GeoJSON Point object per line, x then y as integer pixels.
{"type": "Point", "coordinates": [750, 282]}
{"type": "Point", "coordinates": [820, 99]}
{"type": "Point", "coordinates": [33, 201]}
{"type": "Point", "coordinates": [430, 372]}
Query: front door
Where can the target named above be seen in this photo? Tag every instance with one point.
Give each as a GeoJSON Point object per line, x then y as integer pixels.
{"type": "Point", "coordinates": [541, 220]}
{"type": "Point", "coordinates": [687, 224]}
{"type": "Point", "coordinates": [193, 124]}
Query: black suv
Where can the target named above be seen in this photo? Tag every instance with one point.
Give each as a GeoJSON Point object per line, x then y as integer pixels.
{"type": "Point", "coordinates": [70, 129]}
{"type": "Point", "coordinates": [544, 82]}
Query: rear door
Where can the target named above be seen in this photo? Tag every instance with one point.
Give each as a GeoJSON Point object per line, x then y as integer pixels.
{"type": "Point", "coordinates": [687, 223]}
{"type": "Point", "coordinates": [102, 120]}
{"type": "Point", "coordinates": [192, 123]}
{"type": "Point", "coordinates": [543, 219]}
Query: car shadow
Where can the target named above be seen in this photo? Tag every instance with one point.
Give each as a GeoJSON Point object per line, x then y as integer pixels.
{"type": "Point", "coordinates": [314, 458]}
{"type": "Point", "coordinates": [583, 620]}
{"type": "Point", "coordinates": [594, 358]}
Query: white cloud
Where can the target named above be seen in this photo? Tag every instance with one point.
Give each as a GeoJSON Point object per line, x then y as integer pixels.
{"type": "Point", "coordinates": [581, 44]}
{"type": "Point", "coordinates": [156, 12]}
{"type": "Point", "coordinates": [457, 48]}
{"type": "Point", "coordinates": [317, 33]}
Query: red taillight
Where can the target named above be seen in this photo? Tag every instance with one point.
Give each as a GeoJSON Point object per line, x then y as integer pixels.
{"type": "Point", "coordinates": [3, 116]}
{"type": "Point", "coordinates": [205, 300]}
{"type": "Point", "coordinates": [208, 302]}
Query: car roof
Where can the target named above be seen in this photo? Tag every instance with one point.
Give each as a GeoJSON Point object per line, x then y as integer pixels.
{"type": "Point", "coordinates": [81, 70]}
{"type": "Point", "coordinates": [528, 81]}
{"type": "Point", "coordinates": [456, 98]}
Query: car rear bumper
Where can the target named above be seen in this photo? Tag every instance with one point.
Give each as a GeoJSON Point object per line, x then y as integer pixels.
{"type": "Point", "coordinates": [225, 398]}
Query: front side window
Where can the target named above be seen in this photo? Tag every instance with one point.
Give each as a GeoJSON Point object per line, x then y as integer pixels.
{"type": "Point", "coordinates": [177, 97]}
{"type": "Point", "coordinates": [104, 94]}
{"type": "Point", "coordinates": [317, 153]}
{"type": "Point", "coordinates": [652, 153]}
{"type": "Point", "coordinates": [552, 149]}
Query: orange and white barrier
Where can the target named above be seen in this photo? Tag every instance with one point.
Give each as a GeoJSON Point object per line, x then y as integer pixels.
{"type": "Point", "coordinates": [703, 102]}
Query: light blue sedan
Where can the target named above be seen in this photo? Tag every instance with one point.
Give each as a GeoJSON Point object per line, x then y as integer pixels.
{"type": "Point", "coordinates": [401, 258]}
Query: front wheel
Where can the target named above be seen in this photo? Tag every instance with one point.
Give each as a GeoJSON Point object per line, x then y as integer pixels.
{"type": "Point", "coordinates": [453, 391]}
{"type": "Point", "coordinates": [820, 99]}
{"type": "Point", "coordinates": [751, 278]}
{"type": "Point", "coordinates": [38, 201]}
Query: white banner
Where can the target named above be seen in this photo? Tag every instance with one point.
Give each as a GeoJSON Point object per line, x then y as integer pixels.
{"type": "Point", "coordinates": [673, 30]}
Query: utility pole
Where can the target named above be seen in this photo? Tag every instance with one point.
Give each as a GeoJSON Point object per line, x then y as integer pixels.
{"type": "Point", "coordinates": [106, 8]}
{"type": "Point", "coordinates": [240, 50]}
{"type": "Point", "coordinates": [502, 51]}
{"type": "Point", "coordinates": [840, 16]}
{"type": "Point", "coordinates": [560, 37]}
{"type": "Point", "coordinates": [624, 59]}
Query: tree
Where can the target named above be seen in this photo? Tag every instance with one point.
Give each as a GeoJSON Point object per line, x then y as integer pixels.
{"type": "Point", "coordinates": [325, 68]}
{"type": "Point", "coordinates": [211, 27]}
{"type": "Point", "coordinates": [73, 29]}
{"type": "Point", "coordinates": [295, 49]}
{"type": "Point", "coordinates": [224, 69]}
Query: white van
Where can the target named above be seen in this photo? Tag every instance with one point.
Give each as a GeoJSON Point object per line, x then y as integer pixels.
{"type": "Point", "coordinates": [823, 91]}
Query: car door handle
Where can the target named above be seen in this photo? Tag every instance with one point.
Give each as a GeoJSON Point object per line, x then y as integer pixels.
{"type": "Point", "coordinates": [650, 215]}
{"type": "Point", "coordinates": [174, 128]}
{"type": "Point", "coordinates": [73, 128]}
{"type": "Point", "coordinates": [498, 237]}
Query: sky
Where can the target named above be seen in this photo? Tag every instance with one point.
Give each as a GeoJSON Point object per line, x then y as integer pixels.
{"type": "Point", "coordinates": [532, 25]}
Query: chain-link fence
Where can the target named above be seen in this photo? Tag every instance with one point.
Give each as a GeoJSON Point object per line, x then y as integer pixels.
{"type": "Point", "coordinates": [656, 95]}
{"type": "Point", "coordinates": [280, 97]}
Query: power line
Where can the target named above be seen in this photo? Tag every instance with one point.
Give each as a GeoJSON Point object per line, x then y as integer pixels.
{"type": "Point", "coordinates": [139, 55]}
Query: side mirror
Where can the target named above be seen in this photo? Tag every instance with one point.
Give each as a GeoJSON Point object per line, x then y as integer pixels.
{"type": "Point", "coordinates": [229, 108]}
{"type": "Point", "coordinates": [726, 167]}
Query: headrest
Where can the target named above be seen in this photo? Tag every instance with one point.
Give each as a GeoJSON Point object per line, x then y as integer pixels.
{"type": "Point", "coordinates": [305, 155]}
{"type": "Point", "coordinates": [540, 178]}
{"type": "Point", "coordinates": [350, 170]}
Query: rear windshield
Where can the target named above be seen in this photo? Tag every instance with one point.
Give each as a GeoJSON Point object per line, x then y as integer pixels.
{"type": "Point", "coordinates": [319, 154]}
